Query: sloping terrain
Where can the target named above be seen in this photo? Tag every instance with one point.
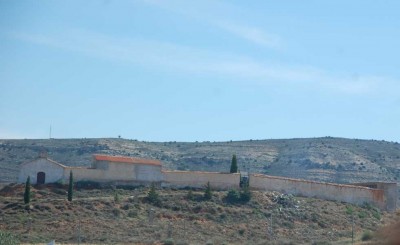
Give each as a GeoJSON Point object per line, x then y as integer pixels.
{"type": "Point", "coordinates": [98, 216]}
{"type": "Point", "coordinates": [323, 159]}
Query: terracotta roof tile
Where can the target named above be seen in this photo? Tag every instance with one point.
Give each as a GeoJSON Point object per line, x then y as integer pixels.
{"type": "Point", "coordinates": [124, 159]}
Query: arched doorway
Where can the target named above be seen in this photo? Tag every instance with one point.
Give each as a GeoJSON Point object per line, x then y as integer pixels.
{"type": "Point", "coordinates": [41, 178]}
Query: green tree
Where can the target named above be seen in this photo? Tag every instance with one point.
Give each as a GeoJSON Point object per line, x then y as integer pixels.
{"type": "Point", "coordinates": [27, 193]}
{"type": "Point", "coordinates": [208, 192]}
{"type": "Point", "coordinates": [245, 194]}
{"type": "Point", "coordinates": [190, 195]}
{"type": "Point", "coordinates": [234, 167]}
{"type": "Point", "coordinates": [152, 196]}
{"type": "Point", "coordinates": [70, 186]}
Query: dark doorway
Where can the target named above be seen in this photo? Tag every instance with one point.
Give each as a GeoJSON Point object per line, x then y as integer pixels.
{"type": "Point", "coordinates": [41, 178]}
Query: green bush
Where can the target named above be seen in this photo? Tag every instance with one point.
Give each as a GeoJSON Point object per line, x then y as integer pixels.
{"type": "Point", "coordinates": [366, 236]}
{"type": "Point", "coordinates": [245, 194]}
{"type": "Point", "coordinates": [169, 241]}
{"type": "Point", "coordinates": [116, 212]}
{"type": "Point", "coordinates": [233, 196]}
{"type": "Point", "coordinates": [86, 184]}
{"type": "Point", "coordinates": [376, 214]}
{"type": "Point", "coordinates": [190, 195]}
{"type": "Point", "coordinates": [349, 210]}
{"type": "Point", "coordinates": [132, 214]}
{"type": "Point", "coordinates": [7, 238]}
{"type": "Point", "coordinates": [362, 215]}
{"type": "Point", "coordinates": [117, 198]}
{"type": "Point", "coordinates": [321, 243]}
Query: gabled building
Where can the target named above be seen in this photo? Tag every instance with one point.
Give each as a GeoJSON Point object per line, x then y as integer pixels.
{"type": "Point", "coordinates": [105, 168]}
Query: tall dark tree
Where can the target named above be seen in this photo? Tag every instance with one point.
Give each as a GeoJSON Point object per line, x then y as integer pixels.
{"type": "Point", "coordinates": [152, 195]}
{"type": "Point", "coordinates": [234, 167]}
{"type": "Point", "coordinates": [208, 192]}
{"type": "Point", "coordinates": [27, 193]}
{"type": "Point", "coordinates": [70, 186]}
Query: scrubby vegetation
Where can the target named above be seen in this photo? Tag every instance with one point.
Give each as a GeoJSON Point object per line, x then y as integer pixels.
{"type": "Point", "coordinates": [268, 217]}
{"type": "Point", "coordinates": [6, 238]}
{"type": "Point", "coordinates": [242, 196]}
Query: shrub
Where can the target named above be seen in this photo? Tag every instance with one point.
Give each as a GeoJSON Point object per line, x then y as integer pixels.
{"type": "Point", "coordinates": [245, 194]}
{"type": "Point", "coordinates": [169, 241]}
{"type": "Point", "coordinates": [87, 184]}
{"type": "Point", "coordinates": [190, 195]}
{"type": "Point", "coordinates": [233, 196]}
{"type": "Point", "coordinates": [117, 198]}
{"type": "Point", "coordinates": [7, 238]}
{"type": "Point", "coordinates": [366, 236]}
{"type": "Point", "coordinates": [376, 214]}
{"type": "Point", "coordinates": [362, 214]}
{"type": "Point", "coordinates": [288, 224]}
{"type": "Point", "coordinates": [132, 214]}
{"type": "Point", "coordinates": [321, 243]}
{"type": "Point", "coordinates": [127, 206]}
{"type": "Point", "coordinates": [349, 210]}
{"type": "Point", "coordinates": [116, 212]}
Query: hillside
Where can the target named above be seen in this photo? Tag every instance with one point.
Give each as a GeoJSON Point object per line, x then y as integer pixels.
{"type": "Point", "coordinates": [96, 217]}
{"type": "Point", "coordinates": [323, 159]}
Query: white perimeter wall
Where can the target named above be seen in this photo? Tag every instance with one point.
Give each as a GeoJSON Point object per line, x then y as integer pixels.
{"type": "Point", "coordinates": [328, 191]}
{"type": "Point", "coordinates": [200, 179]}
{"type": "Point", "coordinates": [117, 172]}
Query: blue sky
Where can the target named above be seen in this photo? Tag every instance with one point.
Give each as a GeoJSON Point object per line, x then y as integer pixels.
{"type": "Point", "coordinates": [200, 70]}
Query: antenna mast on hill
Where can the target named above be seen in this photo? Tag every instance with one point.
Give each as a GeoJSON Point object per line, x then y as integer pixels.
{"type": "Point", "coordinates": [50, 133]}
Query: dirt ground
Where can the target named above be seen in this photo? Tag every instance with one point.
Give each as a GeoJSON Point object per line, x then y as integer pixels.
{"type": "Point", "coordinates": [121, 216]}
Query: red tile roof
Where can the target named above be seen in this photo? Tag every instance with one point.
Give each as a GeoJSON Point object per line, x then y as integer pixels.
{"type": "Point", "coordinates": [123, 159]}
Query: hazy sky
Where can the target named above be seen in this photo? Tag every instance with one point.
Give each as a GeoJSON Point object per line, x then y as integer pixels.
{"type": "Point", "coordinates": [200, 70]}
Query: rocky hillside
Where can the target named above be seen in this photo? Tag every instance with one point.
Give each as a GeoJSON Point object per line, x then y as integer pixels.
{"type": "Point", "coordinates": [324, 159]}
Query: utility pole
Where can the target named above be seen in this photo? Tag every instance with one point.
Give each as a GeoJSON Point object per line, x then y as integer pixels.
{"type": "Point", "coordinates": [352, 228]}
{"type": "Point", "coordinates": [79, 232]}
{"type": "Point", "coordinates": [169, 230]}
{"type": "Point", "coordinates": [184, 229]}
{"type": "Point", "coordinates": [151, 216]}
{"type": "Point", "coordinates": [270, 226]}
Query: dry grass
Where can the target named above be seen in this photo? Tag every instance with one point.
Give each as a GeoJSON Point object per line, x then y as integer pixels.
{"type": "Point", "coordinates": [100, 220]}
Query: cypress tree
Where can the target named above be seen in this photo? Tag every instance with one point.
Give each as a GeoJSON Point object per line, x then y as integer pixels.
{"type": "Point", "coordinates": [152, 195]}
{"type": "Point", "coordinates": [208, 192]}
{"type": "Point", "coordinates": [70, 186]}
{"type": "Point", "coordinates": [234, 167]}
{"type": "Point", "coordinates": [27, 193]}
